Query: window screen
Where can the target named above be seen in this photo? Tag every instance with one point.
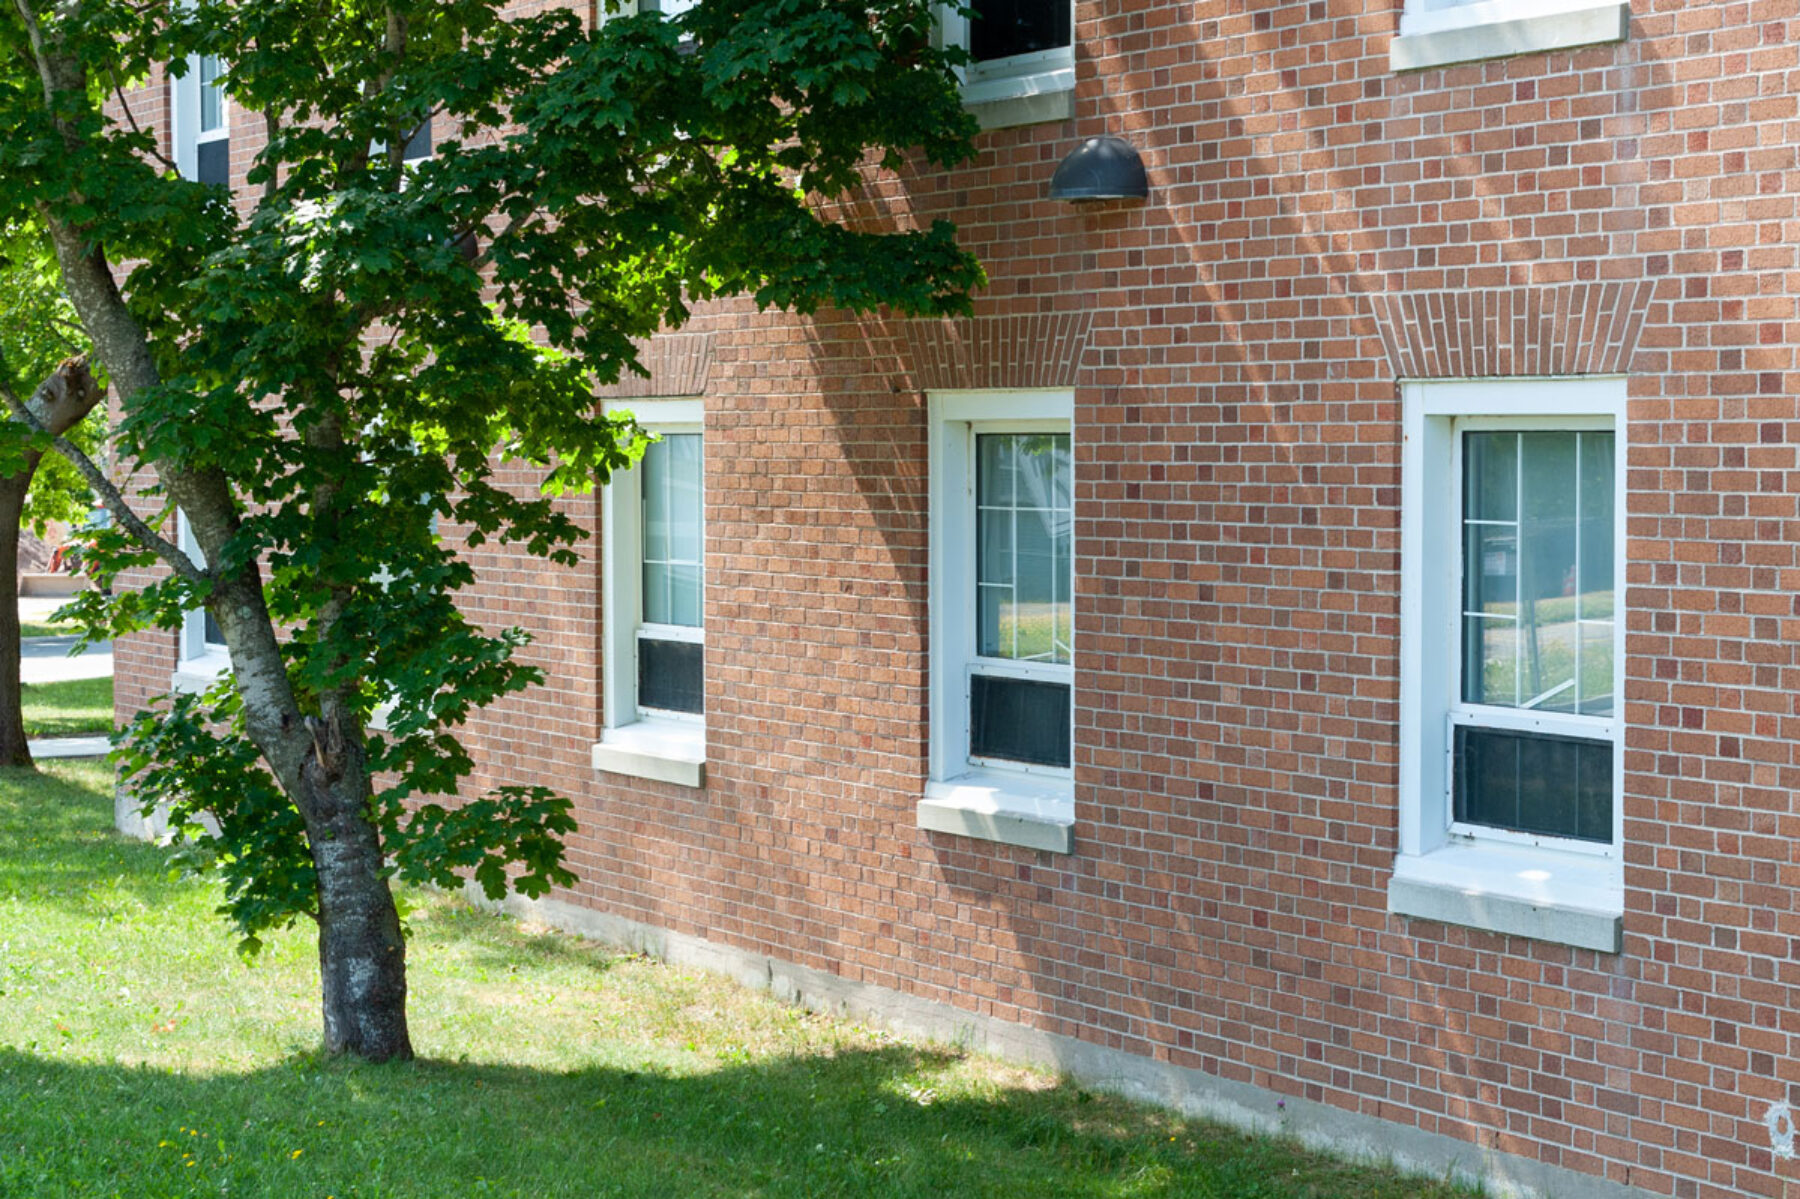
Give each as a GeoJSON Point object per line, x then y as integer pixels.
{"type": "Point", "coordinates": [1019, 721]}
{"type": "Point", "coordinates": [671, 675]}
{"type": "Point", "coordinates": [1533, 783]}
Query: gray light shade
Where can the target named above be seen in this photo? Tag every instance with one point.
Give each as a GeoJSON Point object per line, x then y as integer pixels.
{"type": "Point", "coordinates": [1102, 168]}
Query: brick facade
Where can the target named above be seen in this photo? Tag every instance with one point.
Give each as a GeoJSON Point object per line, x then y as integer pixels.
{"type": "Point", "coordinates": [1319, 228]}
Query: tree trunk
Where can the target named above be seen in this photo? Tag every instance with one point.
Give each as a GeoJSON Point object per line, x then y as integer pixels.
{"type": "Point", "coordinates": [14, 749]}
{"type": "Point", "coordinates": [362, 954]}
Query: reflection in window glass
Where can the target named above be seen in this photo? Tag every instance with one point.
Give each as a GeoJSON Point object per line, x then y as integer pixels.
{"type": "Point", "coordinates": [1538, 570]}
{"type": "Point", "coordinates": [1024, 542]}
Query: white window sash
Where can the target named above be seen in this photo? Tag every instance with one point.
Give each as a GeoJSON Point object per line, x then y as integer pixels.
{"type": "Point", "coordinates": [622, 571]}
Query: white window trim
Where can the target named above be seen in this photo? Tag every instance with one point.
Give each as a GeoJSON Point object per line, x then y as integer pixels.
{"type": "Point", "coordinates": [1548, 888]}
{"type": "Point", "coordinates": [1014, 804]}
{"type": "Point", "coordinates": [1432, 36]}
{"type": "Point", "coordinates": [1022, 90]}
{"type": "Point", "coordinates": [197, 665]}
{"type": "Point", "coordinates": [184, 119]}
{"type": "Point", "coordinates": [666, 746]}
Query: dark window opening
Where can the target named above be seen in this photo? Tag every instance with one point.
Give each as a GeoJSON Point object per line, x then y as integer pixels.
{"type": "Point", "coordinates": [1016, 720]}
{"type": "Point", "coordinates": [1535, 783]}
{"type": "Point", "coordinates": [671, 675]}
{"type": "Point", "coordinates": [419, 144]}
{"type": "Point", "coordinates": [1005, 28]}
{"type": "Point", "coordinates": [211, 633]}
{"type": "Point", "coordinates": [212, 162]}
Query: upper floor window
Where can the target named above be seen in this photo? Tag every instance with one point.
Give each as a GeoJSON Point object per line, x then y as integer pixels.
{"type": "Point", "coordinates": [200, 115]}
{"type": "Point", "coordinates": [1439, 32]}
{"type": "Point", "coordinates": [1018, 48]}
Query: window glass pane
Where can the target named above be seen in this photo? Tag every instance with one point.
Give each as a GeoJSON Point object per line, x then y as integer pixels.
{"type": "Point", "coordinates": [1530, 783]}
{"type": "Point", "coordinates": [1526, 554]}
{"type": "Point", "coordinates": [212, 162]}
{"type": "Point", "coordinates": [671, 675]}
{"type": "Point", "coordinates": [211, 633]}
{"type": "Point", "coordinates": [212, 99]}
{"type": "Point", "coordinates": [1024, 546]}
{"type": "Point", "coordinates": [673, 577]}
{"type": "Point", "coordinates": [1003, 28]}
{"type": "Point", "coordinates": [1019, 721]}
{"type": "Point", "coordinates": [1596, 668]}
{"type": "Point", "coordinates": [419, 144]}
{"type": "Point", "coordinates": [1594, 589]}
{"type": "Point", "coordinates": [1491, 476]}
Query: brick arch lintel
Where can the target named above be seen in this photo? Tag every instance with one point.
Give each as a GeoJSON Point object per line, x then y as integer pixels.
{"type": "Point", "coordinates": [1576, 328]}
{"type": "Point", "coordinates": [680, 364]}
{"type": "Point", "coordinates": [1004, 352]}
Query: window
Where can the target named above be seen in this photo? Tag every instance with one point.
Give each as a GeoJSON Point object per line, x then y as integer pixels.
{"type": "Point", "coordinates": [201, 118]}
{"type": "Point", "coordinates": [1002, 618]}
{"type": "Point", "coordinates": [1022, 52]}
{"type": "Point", "coordinates": [1511, 659]}
{"type": "Point", "coordinates": [1438, 32]}
{"type": "Point", "coordinates": [201, 656]}
{"type": "Point", "coordinates": [418, 146]}
{"type": "Point", "coordinates": [653, 599]}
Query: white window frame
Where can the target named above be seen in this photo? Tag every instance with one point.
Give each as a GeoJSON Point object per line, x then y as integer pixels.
{"type": "Point", "coordinates": [198, 663]}
{"type": "Point", "coordinates": [1551, 888]}
{"type": "Point", "coordinates": [642, 742]}
{"type": "Point", "coordinates": [184, 119]}
{"type": "Point", "coordinates": [1439, 32]}
{"type": "Point", "coordinates": [1022, 89]}
{"type": "Point", "coordinates": [1010, 802]}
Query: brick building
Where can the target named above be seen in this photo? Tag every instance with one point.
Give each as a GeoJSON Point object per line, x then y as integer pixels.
{"type": "Point", "coordinates": [1317, 647]}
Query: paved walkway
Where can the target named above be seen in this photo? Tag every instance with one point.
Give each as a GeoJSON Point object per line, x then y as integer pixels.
{"type": "Point", "coordinates": [70, 747]}
{"type": "Point", "coordinates": [47, 660]}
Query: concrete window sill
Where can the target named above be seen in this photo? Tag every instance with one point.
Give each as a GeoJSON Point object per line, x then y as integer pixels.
{"type": "Point", "coordinates": [195, 675]}
{"type": "Point", "coordinates": [1475, 32]}
{"type": "Point", "coordinates": [1013, 809]}
{"type": "Point", "coordinates": [1022, 99]}
{"type": "Point", "coordinates": [1564, 898]}
{"type": "Point", "coordinates": [664, 751]}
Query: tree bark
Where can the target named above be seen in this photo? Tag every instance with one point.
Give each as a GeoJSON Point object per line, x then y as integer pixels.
{"type": "Point", "coordinates": [15, 750]}
{"type": "Point", "coordinates": [59, 404]}
{"type": "Point", "coordinates": [362, 954]}
{"type": "Point", "coordinates": [318, 762]}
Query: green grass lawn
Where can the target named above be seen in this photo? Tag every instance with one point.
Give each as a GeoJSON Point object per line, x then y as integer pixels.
{"type": "Point", "coordinates": [139, 1058]}
{"type": "Point", "coordinates": [68, 709]}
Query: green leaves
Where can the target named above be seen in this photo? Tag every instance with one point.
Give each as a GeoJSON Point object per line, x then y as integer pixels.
{"type": "Point", "coordinates": [389, 364]}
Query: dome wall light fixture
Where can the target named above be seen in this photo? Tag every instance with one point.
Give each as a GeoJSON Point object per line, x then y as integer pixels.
{"type": "Point", "coordinates": [1101, 168]}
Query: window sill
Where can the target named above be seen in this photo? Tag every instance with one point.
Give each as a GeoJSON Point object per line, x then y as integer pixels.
{"type": "Point", "coordinates": [994, 805]}
{"type": "Point", "coordinates": [665, 751]}
{"type": "Point", "coordinates": [1022, 99]}
{"type": "Point", "coordinates": [1563, 898]}
{"type": "Point", "coordinates": [195, 675]}
{"type": "Point", "coordinates": [1585, 25]}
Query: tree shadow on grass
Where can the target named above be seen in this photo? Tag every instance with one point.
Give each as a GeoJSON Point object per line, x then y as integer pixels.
{"type": "Point", "coordinates": [863, 1123]}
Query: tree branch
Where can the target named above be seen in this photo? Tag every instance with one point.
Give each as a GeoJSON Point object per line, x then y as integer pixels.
{"type": "Point", "coordinates": [67, 378]}
{"type": "Point", "coordinates": [125, 106]}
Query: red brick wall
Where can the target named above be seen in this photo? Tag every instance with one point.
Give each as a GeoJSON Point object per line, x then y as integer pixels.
{"type": "Point", "coordinates": [1318, 225]}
